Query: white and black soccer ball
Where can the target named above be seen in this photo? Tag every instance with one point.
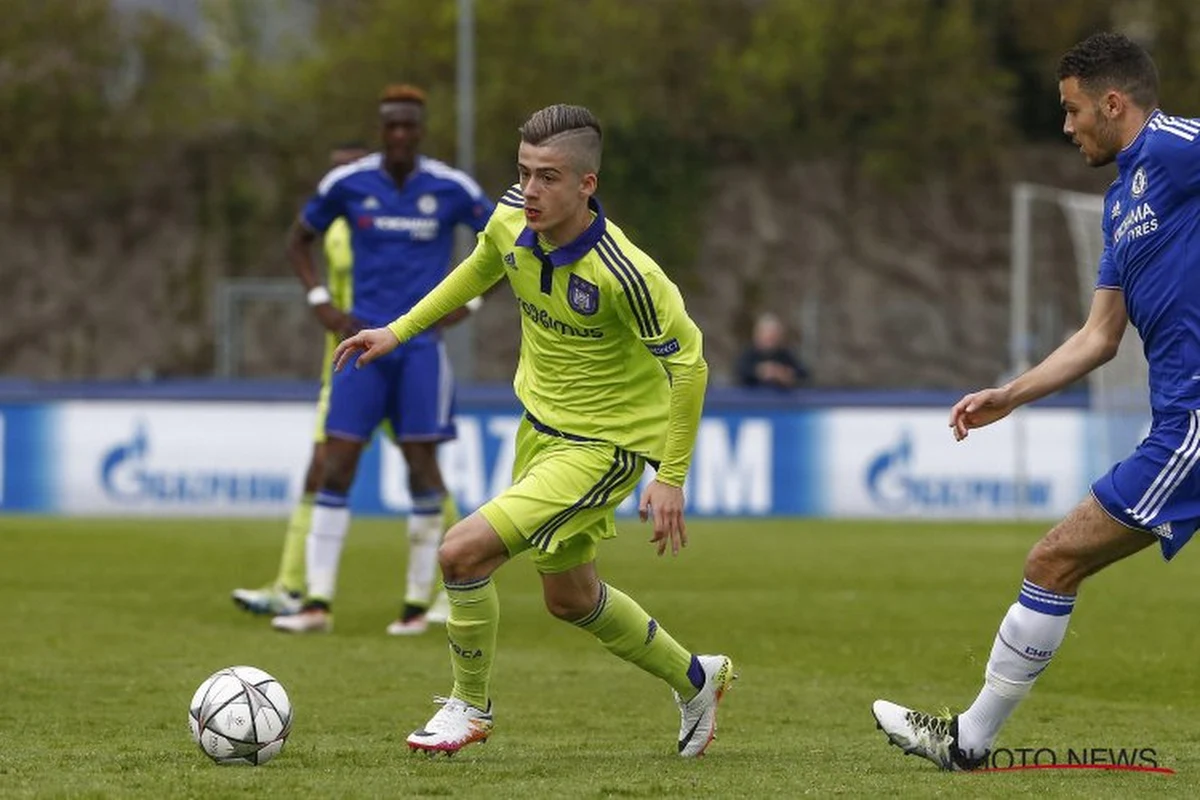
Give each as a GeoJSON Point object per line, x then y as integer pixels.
{"type": "Point", "coordinates": [240, 715]}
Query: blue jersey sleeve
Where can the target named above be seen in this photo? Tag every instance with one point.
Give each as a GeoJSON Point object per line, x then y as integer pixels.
{"type": "Point", "coordinates": [1176, 145]}
{"type": "Point", "coordinates": [327, 204]}
{"type": "Point", "coordinates": [474, 210]}
{"type": "Point", "coordinates": [1107, 277]}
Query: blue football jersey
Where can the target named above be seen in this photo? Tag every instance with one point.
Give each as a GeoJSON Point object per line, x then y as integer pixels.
{"type": "Point", "coordinates": [402, 236]}
{"type": "Point", "coordinates": [1152, 253]}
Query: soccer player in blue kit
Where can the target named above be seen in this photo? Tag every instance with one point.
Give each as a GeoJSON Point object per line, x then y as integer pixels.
{"type": "Point", "coordinates": [402, 208]}
{"type": "Point", "coordinates": [1149, 274]}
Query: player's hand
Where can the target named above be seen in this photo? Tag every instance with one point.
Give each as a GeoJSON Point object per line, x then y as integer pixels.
{"type": "Point", "coordinates": [978, 409]}
{"type": "Point", "coordinates": [665, 503]}
{"type": "Point", "coordinates": [370, 344]}
{"type": "Point", "coordinates": [336, 321]}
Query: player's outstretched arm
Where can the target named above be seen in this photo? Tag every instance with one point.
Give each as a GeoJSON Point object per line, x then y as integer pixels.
{"type": "Point", "coordinates": [1089, 347]}
{"type": "Point", "coordinates": [369, 344]}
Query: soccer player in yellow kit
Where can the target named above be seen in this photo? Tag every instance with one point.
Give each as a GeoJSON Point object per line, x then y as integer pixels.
{"type": "Point", "coordinates": [612, 377]}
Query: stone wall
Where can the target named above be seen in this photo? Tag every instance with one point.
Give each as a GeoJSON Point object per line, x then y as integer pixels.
{"type": "Point", "coordinates": [889, 289]}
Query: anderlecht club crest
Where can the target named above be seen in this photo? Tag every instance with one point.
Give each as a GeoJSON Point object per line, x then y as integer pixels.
{"type": "Point", "coordinates": [583, 296]}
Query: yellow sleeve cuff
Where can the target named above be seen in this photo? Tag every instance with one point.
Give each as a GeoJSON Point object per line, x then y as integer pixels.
{"type": "Point", "coordinates": [401, 329]}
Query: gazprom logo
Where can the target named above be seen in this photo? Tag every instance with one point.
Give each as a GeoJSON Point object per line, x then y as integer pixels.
{"type": "Point", "coordinates": [129, 475]}
{"type": "Point", "coordinates": [894, 484]}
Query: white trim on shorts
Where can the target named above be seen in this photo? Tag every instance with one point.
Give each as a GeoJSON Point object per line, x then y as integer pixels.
{"type": "Point", "coordinates": [445, 386]}
{"type": "Point", "coordinates": [1176, 470]}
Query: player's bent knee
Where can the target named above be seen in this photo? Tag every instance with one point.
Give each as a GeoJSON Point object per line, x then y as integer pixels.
{"type": "Point", "coordinates": [569, 608]}
{"type": "Point", "coordinates": [1053, 569]}
{"type": "Point", "coordinates": [461, 560]}
{"type": "Point", "coordinates": [452, 558]}
{"type": "Point", "coordinates": [471, 550]}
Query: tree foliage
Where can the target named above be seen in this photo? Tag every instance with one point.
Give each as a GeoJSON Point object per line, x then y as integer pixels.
{"type": "Point", "coordinates": [112, 120]}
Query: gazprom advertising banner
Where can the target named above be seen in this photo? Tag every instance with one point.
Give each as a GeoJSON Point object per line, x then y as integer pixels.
{"type": "Point", "coordinates": [905, 463]}
{"type": "Point", "coordinates": [247, 459]}
{"type": "Point", "coordinates": [178, 458]}
{"type": "Point", "coordinates": [233, 458]}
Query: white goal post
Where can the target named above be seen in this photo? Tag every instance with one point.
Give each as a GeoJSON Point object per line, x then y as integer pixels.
{"type": "Point", "coordinates": [232, 299]}
{"type": "Point", "coordinates": [1118, 394]}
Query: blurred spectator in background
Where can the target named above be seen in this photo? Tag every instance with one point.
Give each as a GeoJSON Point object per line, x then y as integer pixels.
{"type": "Point", "coordinates": [767, 362]}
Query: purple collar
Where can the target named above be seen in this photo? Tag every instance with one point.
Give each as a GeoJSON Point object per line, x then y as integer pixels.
{"type": "Point", "coordinates": [568, 253]}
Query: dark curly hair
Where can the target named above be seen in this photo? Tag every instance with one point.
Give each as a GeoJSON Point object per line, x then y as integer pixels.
{"type": "Point", "coordinates": [1106, 61]}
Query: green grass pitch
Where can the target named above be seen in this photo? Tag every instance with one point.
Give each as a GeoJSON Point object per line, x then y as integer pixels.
{"type": "Point", "coordinates": [106, 628]}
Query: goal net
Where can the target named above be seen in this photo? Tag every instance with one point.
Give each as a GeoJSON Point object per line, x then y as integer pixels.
{"type": "Point", "coordinates": [264, 329]}
{"type": "Point", "coordinates": [1051, 226]}
{"type": "Point", "coordinates": [258, 323]}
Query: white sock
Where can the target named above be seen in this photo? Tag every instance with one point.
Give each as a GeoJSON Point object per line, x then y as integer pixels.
{"type": "Point", "coordinates": [330, 521]}
{"type": "Point", "coordinates": [1031, 632]}
{"type": "Point", "coordinates": [424, 538]}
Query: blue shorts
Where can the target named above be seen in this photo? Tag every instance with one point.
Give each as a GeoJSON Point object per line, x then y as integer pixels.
{"type": "Point", "coordinates": [411, 387]}
{"type": "Point", "coordinates": [1157, 489]}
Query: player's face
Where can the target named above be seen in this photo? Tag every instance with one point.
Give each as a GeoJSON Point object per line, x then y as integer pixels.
{"type": "Point", "coordinates": [556, 195]}
{"type": "Point", "coordinates": [1090, 128]}
{"type": "Point", "coordinates": [403, 126]}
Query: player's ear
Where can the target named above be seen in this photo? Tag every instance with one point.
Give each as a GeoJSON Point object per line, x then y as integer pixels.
{"type": "Point", "coordinates": [1113, 103]}
{"type": "Point", "coordinates": [588, 183]}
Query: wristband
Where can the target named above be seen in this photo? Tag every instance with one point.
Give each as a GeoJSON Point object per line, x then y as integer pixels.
{"type": "Point", "coordinates": [474, 304]}
{"type": "Point", "coordinates": [319, 296]}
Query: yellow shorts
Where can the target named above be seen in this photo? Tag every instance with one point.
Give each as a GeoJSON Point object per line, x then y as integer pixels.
{"type": "Point", "coordinates": [563, 498]}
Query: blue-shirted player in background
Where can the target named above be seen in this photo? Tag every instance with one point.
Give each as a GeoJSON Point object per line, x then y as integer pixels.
{"type": "Point", "coordinates": [402, 208]}
{"type": "Point", "coordinates": [1149, 274]}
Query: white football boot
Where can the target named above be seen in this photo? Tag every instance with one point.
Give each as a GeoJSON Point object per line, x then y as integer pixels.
{"type": "Point", "coordinates": [307, 620]}
{"type": "Point", "coordinates": [409, 627]}
{"type": "Point", "coordinates": [456, 725]}
{"type": "Point", "coordinates": [272, 600]}
{"type": "Point", "coordinates": [930, 736]}
{"type": "Point", "coordinates": [698, 716]}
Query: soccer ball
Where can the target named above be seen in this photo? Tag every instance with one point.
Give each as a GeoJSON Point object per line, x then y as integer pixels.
{"type": "Point", "coordinates": [240, 715]}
